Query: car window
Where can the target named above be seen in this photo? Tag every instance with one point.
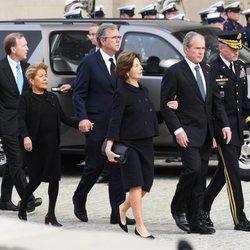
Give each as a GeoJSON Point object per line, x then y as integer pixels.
{"type": "Point", "coordinates": [152, 49]}
{"type": "Point", "coordinates": [67, 48]}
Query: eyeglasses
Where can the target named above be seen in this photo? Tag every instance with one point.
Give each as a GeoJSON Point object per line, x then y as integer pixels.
{"type": "Point", "coordinates": [113, 37]}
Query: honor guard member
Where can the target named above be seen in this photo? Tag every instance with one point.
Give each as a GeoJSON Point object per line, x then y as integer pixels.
{"type": "Point", "coordinates": [247, 27]}
{"type": "Point", "coordinates": [127, 11]}
{"type": "Point", "coordinates": [230, 76]}
{"type": "Point", "coordinates": [99, 11]}
{"type": "Point", "coordinates": [219, 7]}
{"type": "Point", "coordinates": [149, 12]}
{"type": "Point", "coordinates": [215, 20]}
{"type": "Point", "coordinates": [233, 16]}
{"type": "Point", "coordinates": [169, 11]}
{"type": "Point", "coordinates": [204, 13]}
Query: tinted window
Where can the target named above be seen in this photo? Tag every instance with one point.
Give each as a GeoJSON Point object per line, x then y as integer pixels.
{"type": "Point", "coordinates": [152, 49]}
{"type": "Point", "coordinates": [67, 48]}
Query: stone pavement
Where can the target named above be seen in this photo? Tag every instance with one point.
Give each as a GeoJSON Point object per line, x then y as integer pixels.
{"type": "Point", "coordinates": [99, 234]}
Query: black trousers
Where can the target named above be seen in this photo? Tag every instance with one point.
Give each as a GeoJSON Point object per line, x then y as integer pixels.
{"type": "Point", "coordinates": [95, 162]}
{"type": "Point", "coordinates": [190, 189]}
{"type": "Point", "coordinates": [13, 172]}
{"type": "Point", "coordinates": [227, 172]}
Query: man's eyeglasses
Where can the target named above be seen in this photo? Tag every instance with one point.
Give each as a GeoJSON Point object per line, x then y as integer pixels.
{"type": "Point", "coordinates": [113, 37]}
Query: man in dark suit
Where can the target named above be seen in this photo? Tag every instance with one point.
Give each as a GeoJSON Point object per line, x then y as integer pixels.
{"type": "Point", "coordinates": [93, 91]}
{"type": "Point", "coordinates": [12, 85]}
{"type": "Point", "coordinates": [231, 78]}
{"type": "Point", "coordinates": [191, 123]}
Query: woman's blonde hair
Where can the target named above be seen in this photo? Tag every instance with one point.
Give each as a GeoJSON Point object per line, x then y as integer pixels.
{"type": "Point", "coordinates": [33, 68]}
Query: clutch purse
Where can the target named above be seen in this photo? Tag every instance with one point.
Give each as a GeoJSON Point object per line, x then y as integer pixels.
{"type": "Point", "coordinates": [119, 149]}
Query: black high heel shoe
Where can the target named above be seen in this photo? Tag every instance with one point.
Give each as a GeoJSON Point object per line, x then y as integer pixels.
{"type": "Point", "coordinates": [52, 221]}
{"type": "Point", "coordinates": [147, 237]}
{"type": "Point", "coordinates": [123, 227]}
{"type": "Point", "coordinates": [22, 212]}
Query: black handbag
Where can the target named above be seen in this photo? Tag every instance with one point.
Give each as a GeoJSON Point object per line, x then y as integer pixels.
{"type": "Point", "coordinates": [119, 149]}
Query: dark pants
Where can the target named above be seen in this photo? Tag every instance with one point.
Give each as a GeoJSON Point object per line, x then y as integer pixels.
{"type": "Point", "coordinates": [13, 172]}
{"type": "Point", "coordinates": [190, 189]}
{"type": "Point", "coordinates": [227, 172]}
{"type": "Point", "coordinates": [95, 162]}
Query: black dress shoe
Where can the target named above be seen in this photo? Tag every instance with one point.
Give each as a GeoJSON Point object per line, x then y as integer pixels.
{"type": "Point", "coordinates": [8, 205]}
{"type": "Point", "coordinates": [116, 220]}
{"type": "Point", "coordinates": [200, 228]}
{"type": "Point", "coordinates": [80, 211]}
{"type": "Point", "coordinates": [181, 221]}
{"type": "Point", "coordinates": [205, 217]}
{"type": "Point", "coordinates": [31, 206]}
{"type": "Point", "coordinates": [243, 226]}
{"type": "Point", "coordinates": [22, 213]}
{"type": "Point", "coordinates": [102, 179]}
{"type": "Point", "coordinates": [150, 237]}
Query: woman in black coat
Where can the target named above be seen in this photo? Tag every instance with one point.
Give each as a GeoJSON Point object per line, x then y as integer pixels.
{"type": "Point", "coordinates": [134, 123]}
{"type": "Point", "coordinates": [39, 116]}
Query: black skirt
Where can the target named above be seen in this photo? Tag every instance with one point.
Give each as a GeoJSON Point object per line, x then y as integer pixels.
{"type": "Point", "coordinates": [139, 167]}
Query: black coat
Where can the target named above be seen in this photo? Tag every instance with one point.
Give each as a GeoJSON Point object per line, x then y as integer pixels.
{"type": "Point", "coordinates": [194, 114]}
{"type": "Point", "coordinates": [233, 91]}
{"type": "Point", "coordinates": [39, 118]}
{"type": "Point", "coordinates": [133, 115]}
{"type": "Point", "coordinates": [9, 97]}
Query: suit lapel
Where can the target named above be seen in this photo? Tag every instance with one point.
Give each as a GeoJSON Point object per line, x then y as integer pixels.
{"type": "Point", "coordinates": [9, 74]}
{"type": "Point", "coordinates": [103, 66]}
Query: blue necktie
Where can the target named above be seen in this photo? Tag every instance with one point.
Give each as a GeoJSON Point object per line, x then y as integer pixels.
{"type": "Point", "coordinates": [200, 82]}
{"type": "Point", "coordinates": [19, 78]}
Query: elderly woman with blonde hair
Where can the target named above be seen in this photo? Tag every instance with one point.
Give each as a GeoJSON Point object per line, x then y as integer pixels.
{"type": "Point", "coordinates": [39, 115]}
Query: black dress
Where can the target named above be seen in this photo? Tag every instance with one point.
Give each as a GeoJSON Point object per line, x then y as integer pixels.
{"type": "Point", "coordinates": [134, 123]}
{"type": "Point", "coordinates": [40, 117]}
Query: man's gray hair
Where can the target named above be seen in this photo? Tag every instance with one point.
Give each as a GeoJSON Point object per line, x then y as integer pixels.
{"type": "Point", "coordinates": [102, 32]}
{"type": "Point", "coordinates": [187, 41]}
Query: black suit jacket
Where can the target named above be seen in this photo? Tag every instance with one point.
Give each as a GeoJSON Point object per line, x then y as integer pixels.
{"type": "Point", "coordinates": [233, 91]}
{"type": "Point", "coordinates": [93, 94]}
{"type": "Point", "coordinates": [194, 114]}
{"type": "Point", "coordinates": [9, 97]}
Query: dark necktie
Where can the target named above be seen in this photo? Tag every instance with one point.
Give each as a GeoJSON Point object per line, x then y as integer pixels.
{"type": "Point", "coordinates": [231, 67]}
{"type": "Point", "coordinates": [199, 81]}
{"type": "Point", "coordinates": [112, 72]}
{"type": "Point", "coordinates": [19, 78]}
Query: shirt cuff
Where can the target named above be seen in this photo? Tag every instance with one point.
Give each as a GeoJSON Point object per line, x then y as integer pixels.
{"type": "Point", "coordinates": [177, 131]}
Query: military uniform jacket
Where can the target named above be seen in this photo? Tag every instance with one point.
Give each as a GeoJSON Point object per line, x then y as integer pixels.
{"type": "Point", "coordinates": [233, 91]}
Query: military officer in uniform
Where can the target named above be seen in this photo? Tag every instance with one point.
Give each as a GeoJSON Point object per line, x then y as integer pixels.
{"type": "Point", "coordinates": [230, 76]}
{"type": "Point", "coordinates": [127, 11]}
{"type": "Point", "coordinates": [233, 15]}
{"type": "Point", "coordinates": [169, 11]}
{"type": "Point", "coordinates": [247, 27]}
{"type": "Point", "coordinates": [219, 7]}
{"type": "Point", "coordinates": [215, 20]}
{"type": "Point", "coordinates": [149, 12]}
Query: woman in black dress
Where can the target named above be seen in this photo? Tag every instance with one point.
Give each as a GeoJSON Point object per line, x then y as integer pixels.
{"type": "Point", "coordinates": [134, 123]}
{"type": "Point", "coordinates": [39, 115]}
